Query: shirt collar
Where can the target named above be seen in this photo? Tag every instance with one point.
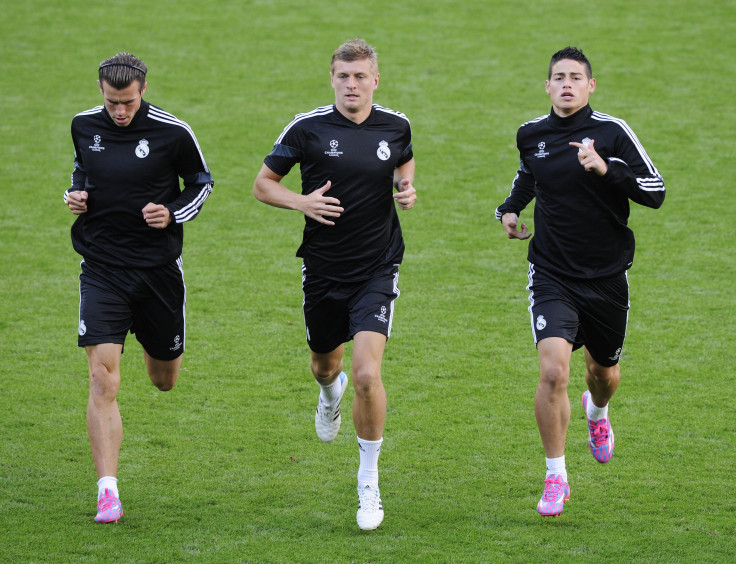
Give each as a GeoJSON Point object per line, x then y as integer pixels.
{"type": "Point", "coordinates": [573, 120]}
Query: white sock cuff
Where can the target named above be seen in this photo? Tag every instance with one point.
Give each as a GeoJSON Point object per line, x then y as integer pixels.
{"type": "Point", "coordinates": [331, 392]}
{"type": "Point", "coordinates": [368, 469]}
{"type": "Point", "coordinates": [594, 412]}
{"type": "Point", "coordinates": [107, 483]}
{"type": "Point", "coordinates": [366, 442]}
{"type": "Point", "coordinates": [556, 466]}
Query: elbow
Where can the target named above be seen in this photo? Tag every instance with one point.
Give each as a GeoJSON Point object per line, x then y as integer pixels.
{"type": "Point", "coordinates": [659, 200]}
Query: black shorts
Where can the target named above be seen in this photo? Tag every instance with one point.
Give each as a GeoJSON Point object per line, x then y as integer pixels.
{"type": "Point", "coordinates": [335, 311]}
{"type": "Point", "coordinates": [148, 302]}
{"type": "Point", "coordinates": [593, 313]}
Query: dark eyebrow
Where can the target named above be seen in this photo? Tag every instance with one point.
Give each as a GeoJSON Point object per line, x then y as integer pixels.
{"type": "Point", "coordinates": [120, 101]}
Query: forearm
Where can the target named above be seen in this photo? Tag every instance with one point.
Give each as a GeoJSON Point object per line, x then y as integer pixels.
{"type": "Point", "coordinates": [405, 172]}
{"type": "Point", "coordinates": [646, 189]}
{"type": "Point", "coordinates": [79, 181]}
{"type": "Point", "coordinates": [273, 193]}
{"type": "Point", "coordinates": [187, 206]}
{"type": "Point", "coordinates": [522, 192]}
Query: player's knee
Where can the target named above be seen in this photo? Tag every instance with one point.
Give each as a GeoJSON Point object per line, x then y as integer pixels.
{"type": "Point", "coordinates": [164, 381]}
{"type": "Point", "coordinates": [603, 374]}
{"type": "Point", "coordinates": [164, 386]}
{"type": "Point", "coordinates": [365, 380]}
{"type": "Point", "coordinates": [555, 376]}
{"type": "Point", "coordinates": [323, 374]}
{"type": "Point", "coordinates": [103, 383]}
{"type": "Point", "coordinates": [163, 373]}
{"type": "Point", "coordinates": [325, 370]}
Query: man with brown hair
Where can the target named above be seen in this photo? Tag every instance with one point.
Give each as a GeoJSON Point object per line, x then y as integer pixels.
{"type": "Point", "coordinates": [583, 167]}
{"type": "Point", "coordinates": [129, 157]}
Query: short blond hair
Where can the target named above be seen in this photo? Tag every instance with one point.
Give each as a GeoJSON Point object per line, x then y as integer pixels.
{"type": "Point", "coordinates": [355, 50]}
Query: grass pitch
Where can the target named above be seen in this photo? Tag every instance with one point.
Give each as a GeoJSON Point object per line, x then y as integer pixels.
{"type": "Point", "coordinates": [226, 467]}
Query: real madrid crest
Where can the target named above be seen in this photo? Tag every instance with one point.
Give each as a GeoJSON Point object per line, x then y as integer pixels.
{"type": "Point", "coordinates": [383, 151]}
{"type": "Point", "coordinates": [142, 150]}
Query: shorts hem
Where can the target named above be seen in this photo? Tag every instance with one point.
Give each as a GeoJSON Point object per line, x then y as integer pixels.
{"type": "Point", "coordinates": [100, 341]}
{"type": "Point", "coordinates": [166, 357]}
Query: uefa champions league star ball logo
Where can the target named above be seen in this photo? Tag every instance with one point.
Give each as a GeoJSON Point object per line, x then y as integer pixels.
{"type": "Point", "coordinates": [383, 151]}
{"type": "Point", "coordinates": [142, 150]}
{"type": "Point", "coordinates": [541, 153]}
{"type": "Point", "coordinates": [177, 343]}
{"type": "Point", "coordinates": [97, 148]}
{"type": "Point", "coordinates": [333, 152]}
{"type": "Point", "coordinates": [382, 315]}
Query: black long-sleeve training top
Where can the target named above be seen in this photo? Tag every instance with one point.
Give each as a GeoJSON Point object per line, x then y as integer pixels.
{"type": "Point", "coordinates": [580, 218]}
{"type": "Point", "coordinates": [125, 168]}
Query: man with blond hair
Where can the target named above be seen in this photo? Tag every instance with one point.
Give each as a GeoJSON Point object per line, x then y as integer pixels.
{"type": "Point", "coordinates": [352, 155]}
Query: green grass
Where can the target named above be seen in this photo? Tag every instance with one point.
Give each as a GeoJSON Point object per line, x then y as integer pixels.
{"type": "Point", "coordinates": [227, 467]}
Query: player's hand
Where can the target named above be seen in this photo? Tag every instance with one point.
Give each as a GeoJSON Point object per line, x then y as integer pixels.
{"type": "Point", "coordinates": [510, 222]}
{"type": "Point", "coordinates": [320, 207]}
{"type": "Point", "coordinates": [590, 160]}
{"type": "Point", "coordinates": [406, 195]}
{"type": "Point", "coordinates": [157, 216]}
{"type": "Point", "coordinates": [77, 201]}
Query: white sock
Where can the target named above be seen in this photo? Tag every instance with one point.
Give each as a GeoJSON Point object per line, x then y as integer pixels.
{"type": "Point", "coordinates": [594, 412]}
{"type": "Point", "coordinates": [556, 466]}
{"type": "Point", "coordinates": [331, 393]}
{"type": "Point", "coordinates": [109, 483]}
{"type": "Point", "coordinates": [368, 469]}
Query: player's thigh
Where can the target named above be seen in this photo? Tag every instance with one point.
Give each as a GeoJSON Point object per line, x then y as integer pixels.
{"type": "Point", "coordinates": [326, 366]}
{"type": "Point", "coordinates": [163, 373]}
{"type": "Point", "coordinates": [106, 355]}
{"type": "Point", "coordinates": [368, 349]}
{"type": "Point", "coordinates": [554, 358]}
{"type": "Point", "coordinates": [104, 368]}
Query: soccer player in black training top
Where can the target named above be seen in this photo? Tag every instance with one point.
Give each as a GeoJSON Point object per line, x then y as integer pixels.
{"type": "Point", "coordinates": [129, 156]}
{"type": "Point", "coordinates": [582, 167]}
{"type": "Point", "coordinates": [352, 155]}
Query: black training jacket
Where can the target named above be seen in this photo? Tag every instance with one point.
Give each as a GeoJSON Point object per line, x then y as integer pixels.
{"type": "Point", "coordinates": [581, 219]}
{"type": "Point", "coordinates": [125, 168]}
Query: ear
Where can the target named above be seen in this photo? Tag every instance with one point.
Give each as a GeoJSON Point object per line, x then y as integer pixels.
{"type": "Point", "coordinates": [99, 85]}
{"type": "Point", "coordinates": [546, 86]}
{"type": "Point", "coordinates": [143, 90]}
{"type": "Point", "coordinates": [375, 84]}
{"type": "Point", "coordinates": [591, 85]}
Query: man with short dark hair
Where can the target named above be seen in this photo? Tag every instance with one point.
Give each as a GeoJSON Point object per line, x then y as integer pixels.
{"type": "Point", "coordinates": [582, 167]}
{"type": "Point", "coordinates": [125, 192]}
{"type": "Point", "coordinates": [352, 155]}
